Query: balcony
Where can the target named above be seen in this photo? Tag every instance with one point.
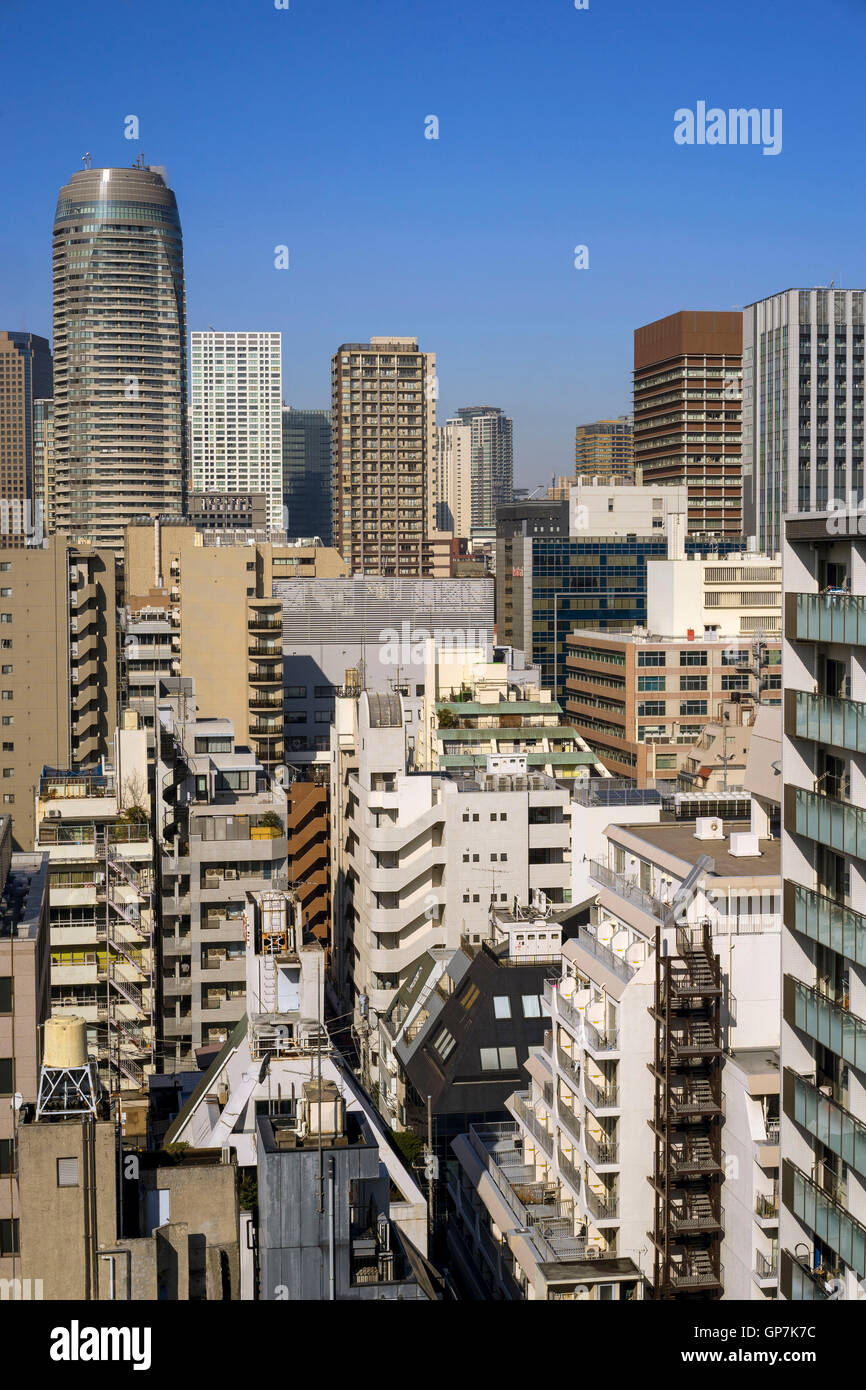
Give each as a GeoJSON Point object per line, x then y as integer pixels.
{"type": "Point", "coordinates": [825, 1217]}
{"type": "Point", "coordinates": [604, 1206]}
{"type": "Point", "coordinates": [825, 1119]}
{"type": "Point", "coordinates": [535, 1208]}
{"type": "Point", "coordinates": [520, 1107]}
{"type": "Point", "coordinates": [829, 820]}
{"type": "Point", "coordinates": [826, 921]}
{"type": "Point", "coordinates": [826, 719]}
{"type": "Point", "coordinates": [626, 888]}
{"type": "Point", "coordinates": [829, 1024]}
{"type": "Point", "coordinates": [831, 617]}
{"type": "Point", "coordinates": [600, 1097]}
{"type": "Point", "coordinates": [601, 1152]}
{"type": "Point", "coordinates": [568, 1065]}
{"type": "Point", "coordinates": [569, 1119]}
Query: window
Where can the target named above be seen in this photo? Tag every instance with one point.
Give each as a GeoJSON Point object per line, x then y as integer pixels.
{"type": "Point", "coordinates": [232, 781]}
{"type": "Point", "coordinates": [693, 658]}
{"type": "Point", "coordinates": [693, 682]}
{"type": "Point", "coordinates": [7, 1158]}
{"type": "Point", "coordinates": [6, 670]}
{"type": "Point", "coordinates": [323, 692]}
{"type": "Point", "coordinates": [475, 898]}
{"type": "Point", "coordinates": [651, 708]}
{"type": "Point", "coordinates": [475, 815]}
{"type": "Point", "coordinates": [7, 1076]}
{"type": "Point", "coordinates": [5, 566]}
{"type": "Point", "coordinates": [693, 707]}
{"type": "Point", "coordinates": [213, 745]}
{"type": "Point", "coordinates": [466, 859]}
{"type": "Point", "coordinates": [8, 1237]}
{"type": "Point", "coordinates": [469, 996]}
{"type": "Point", "coordinates": [67, 1172]}
{"type": "Point", "coordinates": [5, 994]}
{"type": "Point", "coordinates": [5, 593]}
{"type": "Point", "coordinates": [9, 798]}
{"type": "Point", "coordinates": [5, 617]}
{"type": "Point", "coordinates": [651, 659]}
{"type": "Point", "coordinates": [299, 692]}
{"type": "Point", "coordinates": [323, 716]}
{"type": "Point", "coordinates": [531, 1006]}
{"type": "Point", "coordinates": [650, 682]}
{"type": "Point", "coordinates": [8, 719]}
{"type": "Point", "coordinates": [8, 747]}
{"type": "Point", "coordinates": [444, 1043]}
{"type": "Point", "coordinates": [7, 694]}
{"type": "Point", "coordinates": [498, 1058]}
{"type": "Point", "coordinates": [501, 1006]}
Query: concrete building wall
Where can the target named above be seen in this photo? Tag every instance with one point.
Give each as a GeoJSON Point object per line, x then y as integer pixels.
{"type": "Point", "coordinates": [59, 695]}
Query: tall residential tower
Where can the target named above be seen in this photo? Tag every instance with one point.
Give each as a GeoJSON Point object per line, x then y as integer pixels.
{"type": "Point", "coordinates": [25, 377]}
{"type": "Point", "coordinates": [119, 352]}
{"type": "Point", "coordinates": [384, 441]}
{"type": "Point", "coordinates": [236, 442]}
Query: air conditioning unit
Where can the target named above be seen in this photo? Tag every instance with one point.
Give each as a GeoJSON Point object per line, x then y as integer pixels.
{"type": "Point", "coordinates": [52, 815]}
{"type": "Point", "coordinates": [709, 828]}
{"type": "Point", "coordinates": [231, 873]}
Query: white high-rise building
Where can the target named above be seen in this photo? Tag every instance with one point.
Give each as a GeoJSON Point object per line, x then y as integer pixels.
{"type": "Point", "coordinates": [236, 439]}
{"type": "Point", "coordinates": [803, 423]}
{"type": "Point", "coordinates": [453, 477]}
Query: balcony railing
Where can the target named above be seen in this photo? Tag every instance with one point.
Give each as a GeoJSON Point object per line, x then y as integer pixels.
{"type": "Point", "coordinates": [568, 1064]}
{"type": "Point", "coordinates": [829, 1220]}
{"type": "Point", "coordinates": [829, 1024]}
{"type": "Point", "coordinates": [830, 617]}
{"type": "Point", "coordinates": [590, 942]}
{"type": "Point", "coordinates": [520, 1102]}
{"type": "Point", "coordinates": [825, 1119]}
{"type": "Point", "coordinates": [570, 1120]}
{"type": "Point", "coordinates": [601, 1151]}
{"type": "Point", "coordinates": [603, 1207]}
{"type": "Point", "coordinates": [626, 888]}
{"type": "Point", "coordinates": [601, 1097]}
{"type": "Point", "coordinates": [830, 719]}
{"type": "Point", "coordinates": [830, 820]}
{"type": "Point", "coordinates": [824, 920]}
{"type": "Point", "coordinates": [767, 1208]}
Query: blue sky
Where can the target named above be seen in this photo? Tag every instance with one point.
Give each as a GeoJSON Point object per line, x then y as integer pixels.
{"type": "Point", "coordinates": [305, 127]}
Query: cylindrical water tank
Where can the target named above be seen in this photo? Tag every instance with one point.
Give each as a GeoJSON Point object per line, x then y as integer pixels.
{"type": "Point", "coordinates": [65, 1042]}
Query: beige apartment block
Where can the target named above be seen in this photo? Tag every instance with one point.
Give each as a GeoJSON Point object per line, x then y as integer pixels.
{"type": "Point", "coordinates": [58, 667]}
{"type": "Point", "coordinates": [216, 593]}
{"type": "Point", "coordinates": [384, 452]}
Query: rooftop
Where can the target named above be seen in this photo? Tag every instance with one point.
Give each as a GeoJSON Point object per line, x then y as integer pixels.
{"type": "Point", "coordinates": [678, 840]}
{"type": "Point", "coordinates": [23, 894]}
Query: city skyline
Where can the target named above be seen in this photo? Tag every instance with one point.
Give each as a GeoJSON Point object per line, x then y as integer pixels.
{"type": "Point", "coordinates": [487, 283]}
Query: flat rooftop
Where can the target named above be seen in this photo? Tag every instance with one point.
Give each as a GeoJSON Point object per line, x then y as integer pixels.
{"type": "Point", "coordinates": [678, 839]}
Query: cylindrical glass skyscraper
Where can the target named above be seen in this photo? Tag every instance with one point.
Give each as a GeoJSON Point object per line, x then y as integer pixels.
{"type": "Point", "coordinates": [119, 351]}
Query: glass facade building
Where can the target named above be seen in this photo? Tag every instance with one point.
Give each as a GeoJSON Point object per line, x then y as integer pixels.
{"type": "Point", "coordinates": [307, 473]}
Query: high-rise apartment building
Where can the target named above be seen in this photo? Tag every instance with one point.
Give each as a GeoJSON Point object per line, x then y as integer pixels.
{"type": "Point", "coordinates": [454, 477]}
{"type": "Point", "coordinates": [235, 412]}
{"type": "Point", "coordinates": [687, 414]}
{"type": "Point", "coordinates": [25, 377]}
{"type": "Point", "coordinates": [383, 395]}
{"type": "Point", "coordinates": [822, 1234]}
{"type": "Point", "coordinates": [119, 353]}
{"type": "Point", "coordinates": [43, 465]}
{"type": "Point", "coordinates": [605, 450]}
{"type": "Point", "coordinates": [307, 473]}
{"type": "Point", "coordinates": [492, 461]}
{"type": "Point", "coordinates": [803, 423]}
{"type": "Point", "coordinates": [58, 667]}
